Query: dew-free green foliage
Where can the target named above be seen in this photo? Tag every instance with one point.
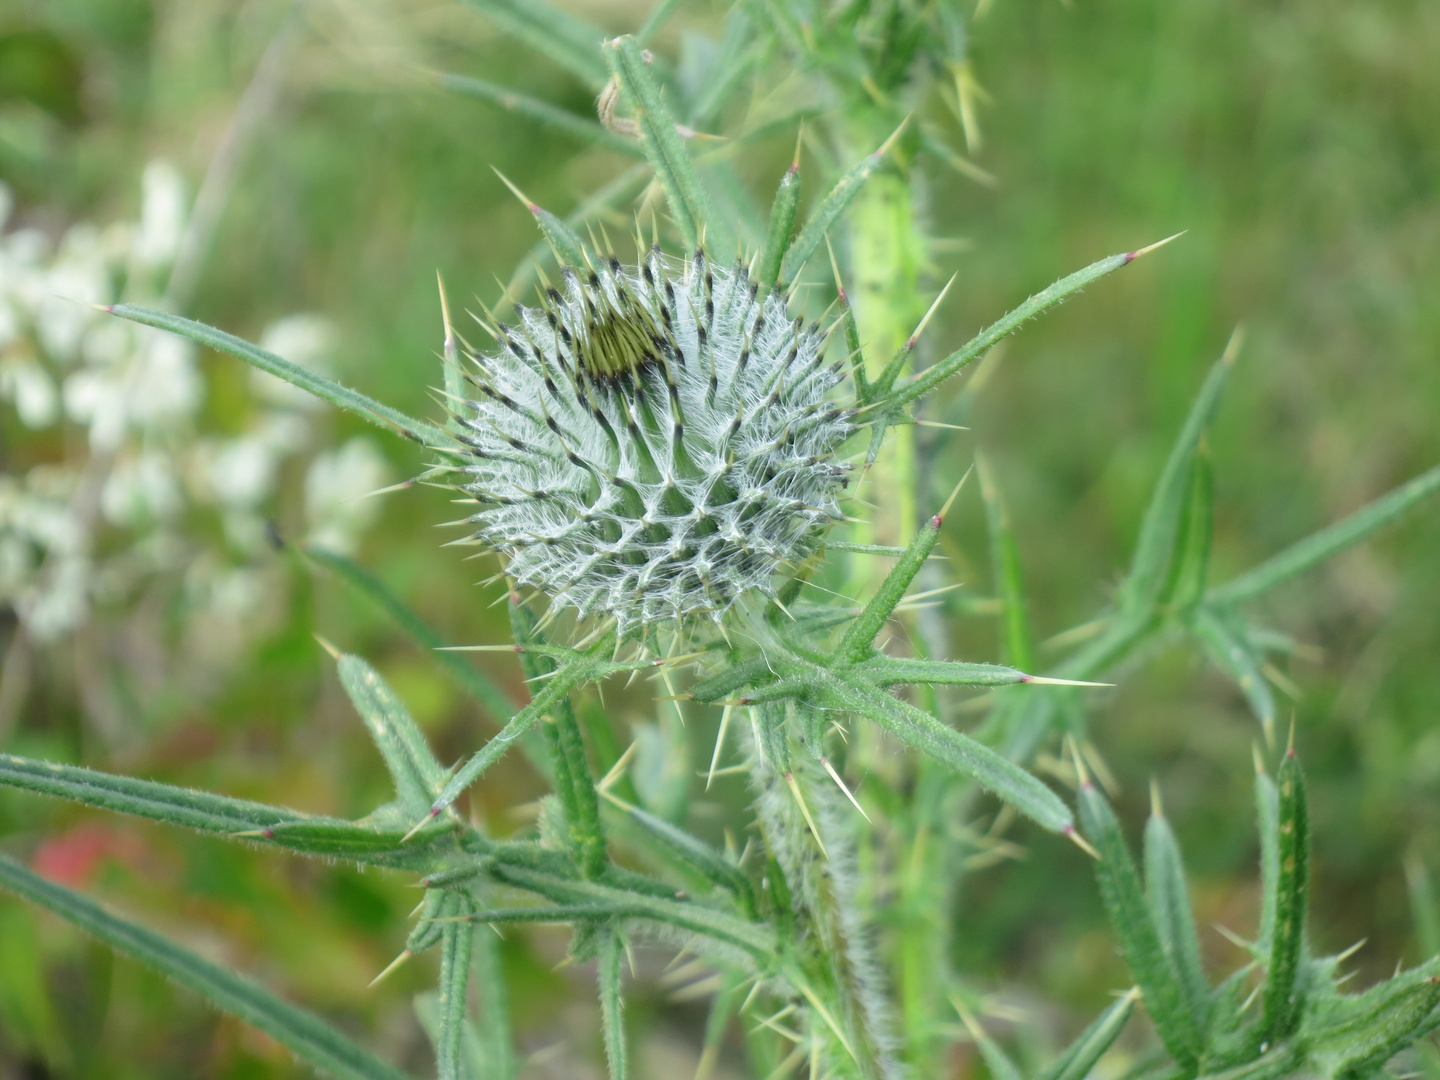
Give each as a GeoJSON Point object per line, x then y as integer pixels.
{"type": "Point", "coordinates": [821, 926]}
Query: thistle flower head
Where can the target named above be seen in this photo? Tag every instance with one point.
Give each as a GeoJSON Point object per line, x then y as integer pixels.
{"type": "Point", "coordinates": [652, 443]}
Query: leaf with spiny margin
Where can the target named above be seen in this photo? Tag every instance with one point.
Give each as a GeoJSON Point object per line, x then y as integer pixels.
{"type": "Point", "coordinates": [1233, 654]}
{"type": "Point", "coordinates": [413, 769]}
{"type": "Point", "coordinates": [612, 1003]}
{"type": "Point", "coordinates": [668, 156]}
{"type": "Point", "coordinates": [1191, 566]}
{"type": "Point", "coordinates": [889, 671]}
{"type": "Point", "coordinates": [456, 941]}
{"type": "Point", "coordinates": [781, 226]}
{"type": "Point", "coordinates": [699, 855]}
{"type": "Point", "coordinates": [1156, 547]}
{"type": "Point", "coordinates": [827, 212]}
{"type": "Point", "coordinates": [1362, 1032]}
{"type": "Point", "coordinates": [306, 1035]}
{"type": "Point", "coordinates": [1002, 328]}
{"type": "Point", "coordinates": [474, 681]}
{"type": "Point", "coordinates": [917, 728]}
{"type": "Point", "coordinates": [1077, 1059]}
{"type": "Point", "coordinates": [555, 689]}
{"type": "Point", "coordinates": [757, 939]}
{"type": "Point", "coordinates": [303, 834]}
{"type": "Point", "coordinates": [343, 397]}
{"type": "Point", "coordinates": [542, 112]}
{"type": "Point", "coordinates": [1169, 897]}
{"type": "Point", "coordinates": [1328, 542]}
{"type": "Point", "coordinates": [477, 1060]}
{"type": "Point", "coordinates": [566, 246]}
{"type": "Point", "coordinates": [858, 642]}
{"type": "Point", "coordinates": [565, 39]}
{"type": "Point", "coordinates": [1005, 568]}
{"type": "Point", "coordinates": [723, 683]}
{"type": "Point", "coordinates": [1130, 918]}
{"type": "Point", "coordinates": [1284, 983]}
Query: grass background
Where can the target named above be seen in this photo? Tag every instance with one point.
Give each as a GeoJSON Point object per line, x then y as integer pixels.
{"type": "Point", "coordinates": [1296, 144]}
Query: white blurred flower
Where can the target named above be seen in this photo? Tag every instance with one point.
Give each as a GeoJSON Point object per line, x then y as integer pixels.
{"type": "Point", "coordinates": [306, 339]}
{"type": "Point", "coordinates": [163, 385]}
{"type": "Point", "coordinates": [162, 215]}
{"type": "Point", "coordinates": [336, 507]}
{"type": "Point", "coordinates": [61, 600]}
{"type": "Point", "coordinates": [140, 491]}
{"type": "Point", "coordinates": [30, 387]}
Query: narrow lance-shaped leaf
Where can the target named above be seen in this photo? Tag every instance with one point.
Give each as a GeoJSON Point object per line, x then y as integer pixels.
{"type": "Point", "coordinates": [303, 1033]}
{"type": "Point", "coordinates": [1267, 816]}
{"type": "Point", "coordinates": [827, 212]}
{"type": "Point", "coordinates": [612, 1003]}
{"type": "Point", "coordinates": [1076, 1061]}
{"type": "Point", "coordinates": [1328, 542]}
{"type": "Point", "coordinates": [413, 769]}
{"type": "Point", "coordinates": [561, 238]}
{"type": "Point", "coordinates": [1190, 568]}
{"type": "Point", "coordinates": [555, 689]}
{"type": "Point", "coordinates": [493, 1021]}
{"type": "Point", "coordinates": [1155, 548]}
{"type": "Point", "coordinates": [889, 671]}
{"type": "Point", "coordinates": [1042, 301]}
{"type": "Point", "coordinates": [996, 1060]}
{"type": "Point", "coordinates": [573, 780]}
{"type": "Point", "coordinates": [391, 420]}
{"type": "Point", "coordinates": [965, 755]}
{"type": "Point", "coordinates": [782, 224]}
{"type": "Point", "coordinates": [1169, 896]}
{"type": "Point", "coordinates": [857, 643]}
{"type": "Point", "coordinates": [668, 156]}
{"type": "Point", "coordinates": [456, 940]}
{"type": "Point", "coordinates": [1139, 941]}
{"type": "Point", "coordinates": [542, 112]}
{"type": "Point", "coordinates": [570, 42]}
{"type": "Point", "coordinates": [1284, 992]}
{"type": "Point", "coordinates": [1005, 567]}
{"type": "Point", "coordinates": [698, 854]}
{"type": "Point", "coordinates": [200, 810]}
{"type": "Point", "coordinates": [1236, 657]}
{"type": "Point", "coordinates": [475, 682]}
{"type": "Point", "coordinates": [1380, 1023]}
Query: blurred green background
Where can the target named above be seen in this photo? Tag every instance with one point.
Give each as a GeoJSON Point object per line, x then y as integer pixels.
{"type": "Point", "coordinates": [1295, 142]}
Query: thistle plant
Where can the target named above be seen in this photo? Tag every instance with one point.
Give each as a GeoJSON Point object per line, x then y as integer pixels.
{"type": "Point", "coordinates": [661, 453]}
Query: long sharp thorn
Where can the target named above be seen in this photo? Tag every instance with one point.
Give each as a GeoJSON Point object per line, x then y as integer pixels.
{"type": "Point", "coordinates": [719, 743]}
{"type": "Point", "coordinates": [841, 784]}
{"type": "Point", "coordinates": [1151, 247]}
{"type": "Point", "coordinates": [392, 966]}
{"type": "Point", "coordinates": [805, 810]}
{"type": "Point", "coordinates": [1042, 680]}
{"type": "Point", "coordinates": [910, 344]}
{"type": "Point", "coordinates": [955, 494]}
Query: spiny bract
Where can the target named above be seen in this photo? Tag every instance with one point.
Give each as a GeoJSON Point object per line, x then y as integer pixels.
{"type": "Point", "coordinates": [653, 443]}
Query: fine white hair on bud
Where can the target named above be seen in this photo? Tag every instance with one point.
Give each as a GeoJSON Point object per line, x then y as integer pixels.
{"type": "Point", "coordinates": [652, 443]}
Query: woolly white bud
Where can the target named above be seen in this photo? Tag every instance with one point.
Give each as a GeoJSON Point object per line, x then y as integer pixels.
{"type": "Point", "coordinates": [655, 443]}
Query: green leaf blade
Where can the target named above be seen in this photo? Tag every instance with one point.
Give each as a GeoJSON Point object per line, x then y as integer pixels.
{"type": "Point", "coordinates": [303, 1033]}
{"type": "Point", "coordinates": [568, 41]}
{"type": "Point", "coordinates": [392, 420]}
{"type": "Point", "coordinates": [413, 769]}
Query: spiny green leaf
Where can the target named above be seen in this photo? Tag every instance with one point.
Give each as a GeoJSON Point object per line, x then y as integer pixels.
{"type": "Point", "coordinates": [555, 689]}
{"type": "Point", "coordinates": [561, 120]}
{"type": "Point", "coordinates": [485, 692]}
{"type": "Point", "coordinates": [857, 643]}
{"type": "Point", "coordinates": [698, 854]}
{"type": "Point", "coordinates": [1284, 990]}
{"type": "Point", "coordinates": [965, 755]}
{"type": "Point", "coordinates": [456, 940]}
{"type": "Point", "coordinates": [1042, 301]}
{"type": "Point", "coordinates": [732, 678]}
{"type": "Point", "coordinates": [667, 154]}
{"type": "Point", "coordinates": [1155, 549]}
{"type": "Point", "coordinates": [1139, 940]}
{"type": "Point", "coordinates": [1190, 568]}
{"type": "Point", "coordinates": [1237, 658]}
{"type": "Point", "coordinates": [413, 769]}
{"type": "Point", "coordinates": [1328, 542]}
{"type": "Point", "coordinates": [562, 239]}
{"type": "Point", "coordinates": [391, 420]}
{"type": "Point", "coordinates": [303, 1033]}
{"type": "Point", "coordinates": [1377, 1024]}
{"type": "Point", "coordinates": [570, 42]}
{"type": "Point", "coordinates": [782, 224]}
{"type": "Point", "coordinates": [1076, 1061]}
{"type": "Point", "coordinates": [1169, 897]}
{"type": "Point", "coordinates": [612, 1003]}
{"type": "Point", "coordinates": [827, 212]}
{"type": "Point", "coordinates": [888, 671]}
{"type": "Point", "coordinates": [1267, 815]}
{"type": "Point", "coordinates": [1005, 567]}
{"type": "Point", "coordinates": [493, 1021]}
